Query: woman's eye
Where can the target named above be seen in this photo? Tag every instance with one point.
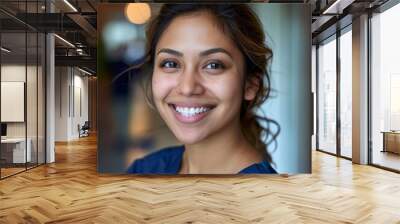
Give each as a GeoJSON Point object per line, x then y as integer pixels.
{"type": "Point", "coordinates": [214, 65]}
{"type": "Point", "coordinates": [169, 64]}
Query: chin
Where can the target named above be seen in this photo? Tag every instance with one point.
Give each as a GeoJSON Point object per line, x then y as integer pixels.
{"type": "Point", "coordinates": [188, 137]}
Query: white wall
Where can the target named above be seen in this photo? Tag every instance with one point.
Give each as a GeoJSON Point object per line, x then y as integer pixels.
{"type": "Point", "coordinates": [71, 93]}
{"type": "Point", "coordinates": [80, 100]}
{"type": "Point", "coordinates": [61, 103]}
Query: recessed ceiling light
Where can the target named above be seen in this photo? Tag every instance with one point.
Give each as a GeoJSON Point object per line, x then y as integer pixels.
{"type": "Point", "coordinates": [84, 71]}
{"type": "Point", "coordinates": [5, 50]}
{"type": "Point", "coordinates": [70, 5]}
{"type": "Point", "coordinates": [65, 41]}
{"type": "Point", "coordinates": [337, 7]}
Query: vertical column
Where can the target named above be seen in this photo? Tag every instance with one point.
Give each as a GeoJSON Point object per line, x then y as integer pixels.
{"type": "Point", "coordinates": [62, 103]}
{"type": "Point", "coordinates": [50, 92]}
{"type": "Point", "coordinates": [92, 86]}
{"type": "Point", "coordinates": [360, 90]}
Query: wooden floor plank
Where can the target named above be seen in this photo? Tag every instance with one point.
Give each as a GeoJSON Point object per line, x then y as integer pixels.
{"type": "Point", "coordinates": [71, 191]}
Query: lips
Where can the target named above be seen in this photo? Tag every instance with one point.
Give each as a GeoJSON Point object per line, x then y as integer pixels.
{"type": "Point", "coordinates": [187, 113]}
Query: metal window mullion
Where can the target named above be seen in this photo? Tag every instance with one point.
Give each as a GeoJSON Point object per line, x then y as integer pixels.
{"type": "Point", "coordinates": [317, 96]}
{"type": "Point", "coordinates": [45, 93]}
{"type": "Point", "coordinates": [338, 98]}
{"type": "Point", "coordinates": [26, 87]}
{"type": "Point", "coordinates": [369, 89]}
{"type": "Point", "coordinates": [37, 91]}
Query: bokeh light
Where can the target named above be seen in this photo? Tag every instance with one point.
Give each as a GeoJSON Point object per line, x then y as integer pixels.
{"type": "Point", "coordinates": [138, 13]}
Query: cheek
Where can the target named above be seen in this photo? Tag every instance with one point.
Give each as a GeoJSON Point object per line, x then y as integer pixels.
{"type": "Point", "coordinates": [162, 85]}
{"type": "Point", "coordinates": [229, 90]}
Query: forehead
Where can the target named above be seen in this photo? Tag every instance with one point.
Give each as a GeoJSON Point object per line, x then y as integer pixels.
{"type": "Point", "coordinates": [196, 31]}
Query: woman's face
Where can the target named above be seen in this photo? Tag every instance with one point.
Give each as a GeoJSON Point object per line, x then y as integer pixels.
{"type": "Point", "coordinates": [198, 78]}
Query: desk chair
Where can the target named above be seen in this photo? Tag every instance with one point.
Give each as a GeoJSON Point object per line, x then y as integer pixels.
{"type": "Point", "coordinates": [84, 130]}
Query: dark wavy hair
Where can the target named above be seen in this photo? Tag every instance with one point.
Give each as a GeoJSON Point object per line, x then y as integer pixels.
{"type": "Point", "coordinates": [242, 25]}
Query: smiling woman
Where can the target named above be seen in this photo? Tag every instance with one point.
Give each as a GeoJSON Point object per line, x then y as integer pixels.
{"type": "Point", "coordinates": [209, 74]}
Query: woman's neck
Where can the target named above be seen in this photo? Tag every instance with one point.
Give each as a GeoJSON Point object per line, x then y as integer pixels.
{"type": "Point", "coordinates": [226, 152]}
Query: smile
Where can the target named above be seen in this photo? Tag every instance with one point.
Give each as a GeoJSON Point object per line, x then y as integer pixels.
{"type": "Point", "coordinates": [191, 111]}
{"type": "Point", "coordinates": [190, 114]}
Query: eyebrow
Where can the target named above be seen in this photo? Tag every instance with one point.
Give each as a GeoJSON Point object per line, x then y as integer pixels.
{"type": "Point", "coordinates": [215, 50]}
{"type": "Point", "coordinates": [203, 53]}
{"type": "Point", "coordinates": [170, 51]}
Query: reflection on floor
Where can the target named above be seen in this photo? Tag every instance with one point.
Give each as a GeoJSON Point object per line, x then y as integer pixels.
{"type": "Point", "coordinates": [10, 169]}
{"type": "Point", "coordinates": [386, 159]}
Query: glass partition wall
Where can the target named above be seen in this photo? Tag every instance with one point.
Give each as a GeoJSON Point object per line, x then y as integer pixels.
{"type": "Point", "coordinates": [13, 109]}
{"type": "Point", "coordinates": [22, 77]}
{"type": "Point", "coordinates": [334, 94]}
{"type": "Point", "coordinates": [385, 89]}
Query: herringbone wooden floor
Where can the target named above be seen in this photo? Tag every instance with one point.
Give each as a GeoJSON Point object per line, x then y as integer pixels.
{"type": "Point", "coordinates": [70, 191]}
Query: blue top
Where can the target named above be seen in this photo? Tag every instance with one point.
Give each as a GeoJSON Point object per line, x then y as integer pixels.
{"type": "Point", "coordinates": [168, 161]}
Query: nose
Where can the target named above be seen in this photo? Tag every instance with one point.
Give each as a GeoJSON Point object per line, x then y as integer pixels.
{"type": "Point", "coordinates": [190, 83]}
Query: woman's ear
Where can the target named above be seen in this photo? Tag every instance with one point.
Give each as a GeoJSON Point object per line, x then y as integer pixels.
{"type": "Point", "coordinates": [251, 87]}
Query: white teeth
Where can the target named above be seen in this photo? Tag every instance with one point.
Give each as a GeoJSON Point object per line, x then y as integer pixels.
{"type": "Point", "coordinates": [191, 111]}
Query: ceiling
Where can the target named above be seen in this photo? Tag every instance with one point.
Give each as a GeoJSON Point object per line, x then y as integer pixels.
{"type": "Point", "coordinates": [77, 23]}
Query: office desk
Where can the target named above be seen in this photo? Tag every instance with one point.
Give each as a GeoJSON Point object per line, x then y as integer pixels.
{"type": "Point", "coordinates": [391, 141]}
{"type": "Point", "coordinates": [13, 150]}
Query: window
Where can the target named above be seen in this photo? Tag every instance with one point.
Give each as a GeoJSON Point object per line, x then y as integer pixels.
{"type": "Point", "coordinates": [346, 93]}
{"type": "Point", "coordinates": [327, 96]}
{"type": "Point", "coordinates": [385, 89]}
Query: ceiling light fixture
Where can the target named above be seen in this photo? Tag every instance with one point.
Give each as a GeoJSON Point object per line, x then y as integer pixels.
{"type": "Point", "coordinates": [79, 51]}
{"type": "Point", "coordinates": [65, 41]}
{"type": "Point", "coordinates": [337, 7]}
{"type": "Point", "coordinates": [5, 50]}
{"type": "Point", "coordinates": [84, 71]}
{"type": "Point", "coordinates": [70, 5]}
